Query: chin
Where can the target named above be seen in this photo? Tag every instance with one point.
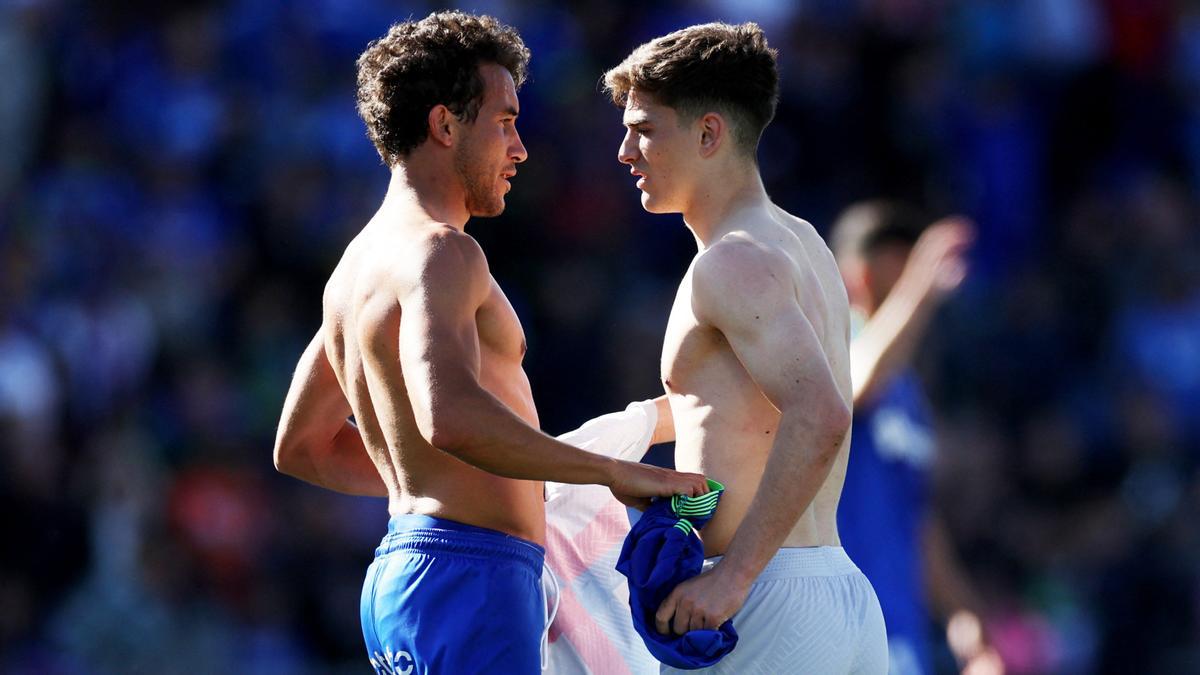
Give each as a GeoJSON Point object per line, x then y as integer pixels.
{"type": "Point", "coordinates": [652, 205]}
{"type": "Point", "coordinates": [489, 209]}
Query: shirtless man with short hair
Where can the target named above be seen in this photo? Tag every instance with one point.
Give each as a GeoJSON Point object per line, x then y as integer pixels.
{"type": "Point", "coordinates": [755, 362]}
{"type": "Point", "coordinates": [419, 343]}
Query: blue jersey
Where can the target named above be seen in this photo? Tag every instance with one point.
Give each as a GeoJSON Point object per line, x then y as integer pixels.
{"type": "Point", "coordinates": [883, 506]}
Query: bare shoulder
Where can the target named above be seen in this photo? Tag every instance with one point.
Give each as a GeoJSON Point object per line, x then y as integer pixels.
{"type": "Point", "coordinates": [432, 261]}
{"type": "Point", "coordinates": [814, 244]}
{"type": "Point", "coordinates": [739, 275]}
{"type": "Point", "coordinates": [442, 251]}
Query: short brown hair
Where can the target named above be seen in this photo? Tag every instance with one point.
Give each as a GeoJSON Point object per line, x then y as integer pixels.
{"type": "Point", "coordinates": [701, 68]}
{"type": "Point", "coordinates": [420, 64]}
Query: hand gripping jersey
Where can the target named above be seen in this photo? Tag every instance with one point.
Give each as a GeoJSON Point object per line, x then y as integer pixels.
{"type": "Point", "coordinates": [661, 551]}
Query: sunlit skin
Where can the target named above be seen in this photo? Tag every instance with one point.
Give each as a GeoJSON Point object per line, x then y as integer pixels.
{"type": "Point", "coordinates": [655, 147]}
{"type": "Point", "coordinates": [491, 148]}
{"type": "Point", "coordinates": [755, 358]}
{"type": "Point", "coordinates": [421, 345]}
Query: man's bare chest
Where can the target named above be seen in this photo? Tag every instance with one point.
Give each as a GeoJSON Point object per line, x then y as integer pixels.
{"type": "Point", "coordinates": [499, 328]}
{"type": "Point", "coordinates": [690, 346]}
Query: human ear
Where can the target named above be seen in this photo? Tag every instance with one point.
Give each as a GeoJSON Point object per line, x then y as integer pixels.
{"type": "Point", "coordinates": [440, 121]}
{"type": "Point", "coordinates": [712, 133]}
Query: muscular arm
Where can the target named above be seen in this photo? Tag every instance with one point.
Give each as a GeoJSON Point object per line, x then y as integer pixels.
{"type": "Point", "coordinates": [888, 340]}
{"type": "Point", "coordinates": [440, 359]}
{"type": "Point", "coordinates": [315, 441]}
{"type": "Point", "coordinates": [757, 312]}
{"type": "Point", "coordinates": [747, 295]}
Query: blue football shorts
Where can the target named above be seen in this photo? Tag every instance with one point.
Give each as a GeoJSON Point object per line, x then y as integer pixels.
{"type": "Point", "coordinates": [443, 597]}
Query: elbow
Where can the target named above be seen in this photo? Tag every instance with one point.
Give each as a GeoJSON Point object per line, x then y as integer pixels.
{"type": "Point", "coordinates": [283, 459]}
{"type": "Point", "coordinates": [288, 455]}
{"type": "Point", "coordinates": [443, 437]}
{"type": "Point", "coordinates": [451, 421]}
{"type": "Point", "coordinates": [840, 417]}
{"type": "Point", "coordinates": [444, 428]}
{"type": "Point", "coordinates": [832, 427]}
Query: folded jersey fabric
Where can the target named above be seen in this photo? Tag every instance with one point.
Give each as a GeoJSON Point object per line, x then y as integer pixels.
{"type": "Point", "coordinates": [661, 551]}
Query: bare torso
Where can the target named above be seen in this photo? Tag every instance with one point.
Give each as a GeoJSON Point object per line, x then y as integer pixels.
{"type": "Point", "coordinates": [362, 314]}
{"type": "Point", "coordinates": [724, 425]}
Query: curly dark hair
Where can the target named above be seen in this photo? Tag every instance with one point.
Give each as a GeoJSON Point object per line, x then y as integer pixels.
{"type": "Point", "coordinates": [712, 66]}
{"type": "Point", "coordinates": [420, 64]}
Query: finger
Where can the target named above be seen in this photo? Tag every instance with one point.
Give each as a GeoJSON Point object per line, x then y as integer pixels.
{"type": "Point", "coordinates": [698, 621]}
{"type": "Point", "coordinates": [958, 227]}
{"type": "Point", "coordinates": [688, 487]}
{"type": "Point", "coordinates": [693, 485]}
{"type": "Point", "coordinates": [662, 618]}
{"type": "Point", "coordinates": [684, 484]}
{"type": "Point", "coordinates": [683, 618]}
{"type": "Point", "coordinates": [640, 503]}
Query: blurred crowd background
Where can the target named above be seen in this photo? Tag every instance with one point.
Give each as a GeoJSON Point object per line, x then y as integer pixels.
{"type": "Point", "coordinates": [177, 180]}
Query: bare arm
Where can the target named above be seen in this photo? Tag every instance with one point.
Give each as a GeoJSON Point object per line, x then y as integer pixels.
{"type": "Point", "coordinates": [887, 342]}
{"type": "Point", "coordinates": [736, 290]}
{"type": "Point", "coordinates": [770, 334]}
{"type": "Point", "coordinates": [440, 364]}
{"type": "Point", "coordinates": [664, 430]}
{"type": "Point", "coordinates": [315, 441]}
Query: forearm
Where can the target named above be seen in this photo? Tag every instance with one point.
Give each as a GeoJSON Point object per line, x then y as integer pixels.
{"type": "Point", "coordinates": [315, 442]}
{"type": "Point", "coordinates": [799, 463]}
{"type": "Point", "coordinates": [948, 587]}
{"type": "Point", "coordinates": [664, 429]}
{"type": "Point", "coordinates": [887, 342]}
{"type": "Point", "coordinates": [340, 464]}
{"type": "Point", "coordinates": [480, 430]}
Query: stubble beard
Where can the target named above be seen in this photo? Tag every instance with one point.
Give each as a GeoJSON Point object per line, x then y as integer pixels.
{"type": "Point", "coordinates": [478, 183]}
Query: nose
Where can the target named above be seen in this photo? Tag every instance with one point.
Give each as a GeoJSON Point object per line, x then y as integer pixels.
{"type": "Point", "coordinates": [517, 151]}
{"type": "Point", "coordinates": [627, 151]}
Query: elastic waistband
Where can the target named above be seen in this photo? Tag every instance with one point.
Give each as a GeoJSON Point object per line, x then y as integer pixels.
{"type": "Point", "coordinates": [811, 561]}
{"type": "Point", "coordinates": [426, 534]}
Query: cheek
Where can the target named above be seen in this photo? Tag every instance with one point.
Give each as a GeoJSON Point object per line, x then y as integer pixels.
{"type": "Point", "coordinates": [652, 152]}
{"type": "Point", "coordinates": [659, 159]}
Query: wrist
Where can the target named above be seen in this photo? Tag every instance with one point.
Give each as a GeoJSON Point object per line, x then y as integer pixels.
{"type": "Point", "coordinates": [735, 574]}
{"type": "Point", "coordinates": [606, 471]}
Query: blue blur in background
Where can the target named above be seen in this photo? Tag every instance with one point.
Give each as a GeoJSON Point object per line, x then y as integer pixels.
{"type": "Point", "coordinates": [178, 179]}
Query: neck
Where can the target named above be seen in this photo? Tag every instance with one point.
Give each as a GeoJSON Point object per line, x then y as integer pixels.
{"type": "Point", "coordinates": [710, 213]}
{"type": "Point", "coordinates": [428, 189]}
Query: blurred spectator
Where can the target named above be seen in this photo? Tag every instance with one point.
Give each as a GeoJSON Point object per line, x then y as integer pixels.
{"type": "Point", "coordinates": [897, 272]}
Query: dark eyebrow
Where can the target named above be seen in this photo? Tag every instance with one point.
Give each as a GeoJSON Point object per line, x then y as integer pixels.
{"type": "Point", "coordinates": [510, 111]}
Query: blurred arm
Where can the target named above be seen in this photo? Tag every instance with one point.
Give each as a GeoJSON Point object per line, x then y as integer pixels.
{"type": "Point", "coordinates": [888, 340]}
{"type": "Point", "coordinates": [315, 441]}
{"type": "Point", "coordinates": [954, 599]}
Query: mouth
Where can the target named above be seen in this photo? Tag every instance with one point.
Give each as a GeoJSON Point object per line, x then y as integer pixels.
{"type": "Point", "coordinates": [641, 178]}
